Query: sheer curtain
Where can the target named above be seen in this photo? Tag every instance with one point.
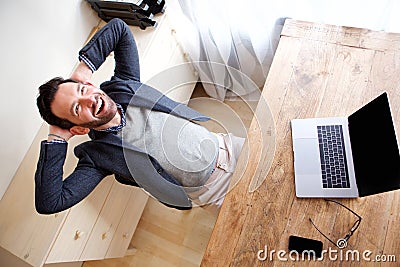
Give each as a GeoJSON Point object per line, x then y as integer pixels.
{"type": "Point", "coordinates": [221, 35]}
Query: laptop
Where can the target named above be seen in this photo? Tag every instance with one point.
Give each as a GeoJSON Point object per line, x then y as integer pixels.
{"type": "Point", "coordinates": [347, 157]}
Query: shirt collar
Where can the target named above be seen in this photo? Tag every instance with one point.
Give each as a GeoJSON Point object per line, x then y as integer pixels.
{"type": "Point", "coordinates": [116, 128]}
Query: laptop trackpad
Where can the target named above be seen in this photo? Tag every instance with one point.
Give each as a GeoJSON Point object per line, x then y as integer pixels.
{"type": "Point", "coordinates": [306, 156]}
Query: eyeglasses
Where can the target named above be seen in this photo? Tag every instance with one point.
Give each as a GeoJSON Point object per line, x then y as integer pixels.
{"type": "Point", "coordinates": [342, 242]}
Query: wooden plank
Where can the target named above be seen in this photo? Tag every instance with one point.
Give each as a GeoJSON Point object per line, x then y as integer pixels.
{"type": "Point", "coordinates": [179, 78]}
{"type": "Point", "coordinates": [107, 221]}
{"type": "Point", "coordinates": [77, 227]}
{"type": "Point", "coordinates": [176, 237]}
{"type": "Point", "coordinates": [155, 58]}
{"type": "Point", "coordinates": [382, 211]}
{"type": "Point", "coordinates": [165, 66]}
{"type": "Point", "coordinates": [392, 243]}
{"type": "Point", "coordinates": [347, 36]}
{"type": "Point", "coordinates": [128, 223]}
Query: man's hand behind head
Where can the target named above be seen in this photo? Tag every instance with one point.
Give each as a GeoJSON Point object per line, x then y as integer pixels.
{"type": "Point", "coordinates": [59, 133]}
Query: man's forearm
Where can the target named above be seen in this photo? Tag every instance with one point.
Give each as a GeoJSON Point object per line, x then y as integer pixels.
{"type": "Point", "coordinates": [52, 192]}
{"type": "Point", "coordinates": [49, 177]}
{"type": "Point", "coordinates": [115, 37]}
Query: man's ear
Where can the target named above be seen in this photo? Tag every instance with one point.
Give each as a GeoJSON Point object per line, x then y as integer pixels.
{"type": "Point", "coordinates": [79, 130]}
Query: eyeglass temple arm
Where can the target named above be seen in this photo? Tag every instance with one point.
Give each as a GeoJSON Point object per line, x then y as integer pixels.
{"type": "Point", "coordinates": [322, 232]}
{"type": "Point", "coordinates": [337, 202]}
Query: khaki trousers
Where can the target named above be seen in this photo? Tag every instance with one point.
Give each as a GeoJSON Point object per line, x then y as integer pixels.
{"type": "Point", "coordinates": [212, 194]}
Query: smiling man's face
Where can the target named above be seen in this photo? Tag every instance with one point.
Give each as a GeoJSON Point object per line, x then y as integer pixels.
{"type": "Point", "coordinates": [83, 105]}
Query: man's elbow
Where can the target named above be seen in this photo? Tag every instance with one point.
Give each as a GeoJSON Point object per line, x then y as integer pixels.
{"type": "Point", "coordinates": [45, 209]}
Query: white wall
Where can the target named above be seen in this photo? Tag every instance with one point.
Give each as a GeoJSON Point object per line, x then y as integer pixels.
{"type": "Point", "coordinates": [39, 39]}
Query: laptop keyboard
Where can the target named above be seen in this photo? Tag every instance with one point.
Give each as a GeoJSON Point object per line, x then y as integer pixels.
{"type": "Point", "coordinates": [333, 157]}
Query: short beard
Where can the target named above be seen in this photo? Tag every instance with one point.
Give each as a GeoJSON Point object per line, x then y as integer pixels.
{"type": "Point", "coordinates": [97, 123]}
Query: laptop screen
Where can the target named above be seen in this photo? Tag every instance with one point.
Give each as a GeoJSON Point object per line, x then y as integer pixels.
{"type": "Point", "coordinates": [375, 149]}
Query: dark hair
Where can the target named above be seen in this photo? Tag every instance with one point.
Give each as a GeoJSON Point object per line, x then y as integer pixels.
{"type": "Point", "coordinates": [46, 95]}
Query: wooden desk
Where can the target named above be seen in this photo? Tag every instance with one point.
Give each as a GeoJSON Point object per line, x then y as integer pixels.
{"type": "Point", "coordinates": [319, 70]}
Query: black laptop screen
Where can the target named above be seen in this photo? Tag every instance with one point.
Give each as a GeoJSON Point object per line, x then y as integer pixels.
{"type": "Point", "coordinates": [375, 149]}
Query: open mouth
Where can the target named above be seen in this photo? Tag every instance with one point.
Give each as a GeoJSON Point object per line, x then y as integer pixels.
{"type": "Point", "coordinates": [99, 106]}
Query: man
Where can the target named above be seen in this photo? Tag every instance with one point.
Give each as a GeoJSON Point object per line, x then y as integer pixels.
{"type": "Point", "coordinates": [141, 136]}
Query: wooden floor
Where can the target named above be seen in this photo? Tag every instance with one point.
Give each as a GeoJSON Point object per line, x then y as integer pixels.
{"type": "Point", "coordinates": [168, 237]}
